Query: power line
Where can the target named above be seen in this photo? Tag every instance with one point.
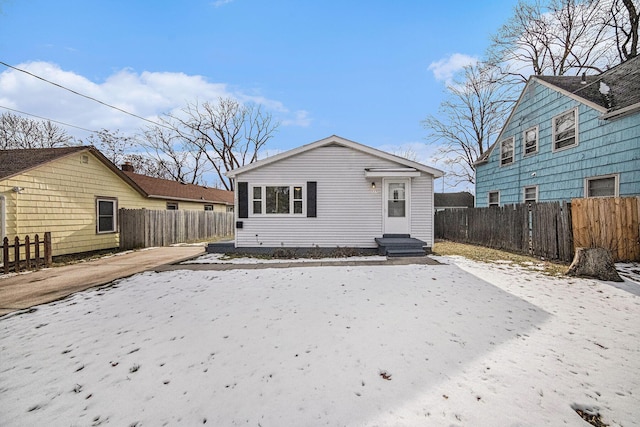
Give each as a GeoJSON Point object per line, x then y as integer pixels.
{"type": "Point", "coordinates": [82, 95]}
{"type": "Point", "coordinates": [50, 120]}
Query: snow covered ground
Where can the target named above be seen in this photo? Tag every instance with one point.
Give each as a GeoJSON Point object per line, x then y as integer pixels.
{"type": "Point", "coordinates": [462, 344]}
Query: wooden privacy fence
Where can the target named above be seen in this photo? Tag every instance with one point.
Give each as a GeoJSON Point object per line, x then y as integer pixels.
{"type": "Point", "coordinates": [540, 229]}
{"type": "Point", "coordinates": [32, 260]}
{"type": "Point", "coordinates": [143, 228]}
{"type": "Point", "coordinates": [611, 223]}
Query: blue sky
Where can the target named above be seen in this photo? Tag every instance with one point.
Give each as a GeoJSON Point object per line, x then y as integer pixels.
{"type": "Point", "coordinates": [367, 71]}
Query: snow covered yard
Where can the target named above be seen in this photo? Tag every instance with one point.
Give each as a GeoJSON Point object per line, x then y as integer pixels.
{"type": "Point", "coordinates": [463, 344]}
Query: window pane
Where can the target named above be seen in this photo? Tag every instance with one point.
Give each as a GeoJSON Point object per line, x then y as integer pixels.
{"type": "Point", "coordinates": [257, 192]}
{"type": "Point", "coordinates": [297, 206]}
{"type": "Point", "coordinates": [506, 151]}
{"type": "Point", "coordinates": [297, 193]}
{"type": "Point", "coordinates": [531, 141]}
{"type": "Point", "coordinates": [565, 130]}
{"type": "Point", "coordinates": [396, 208]}
{"type": "Point", "coordinates": [530, 194]}
{"type": "Point", "coordinates": [494, 198]}
{"type": "Point", "coordinates": [277, 200]}
{"type": "Point", "coordinates": [105, 223]}
{"type": "Point", "coordinates": [257, 207]}
{"type": "Point", "coordinates": [602, 187]}
{"type": "Point", "coordinates": [105, 207]}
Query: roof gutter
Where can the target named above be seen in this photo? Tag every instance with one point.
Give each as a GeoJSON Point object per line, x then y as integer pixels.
{"type": "Point", "coordinates": [621, 112]}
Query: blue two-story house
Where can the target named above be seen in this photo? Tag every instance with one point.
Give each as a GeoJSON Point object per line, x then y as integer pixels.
{"type": "Point", "coordinates": [567, 137]}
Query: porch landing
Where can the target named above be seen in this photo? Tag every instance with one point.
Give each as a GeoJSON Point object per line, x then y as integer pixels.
{"type": "Point", "coordinates": [401, 245]}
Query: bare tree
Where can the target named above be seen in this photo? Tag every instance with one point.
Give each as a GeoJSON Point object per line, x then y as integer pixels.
{"type": "Point", "coordinates": [227, 133]}
{"type": "Point", "coordinates": [174, 157]}
{"type": "Point", "coordinates": [22, 132]}
{"type": "Point", "coordinates": [625, 21]}
{"type": "Point", "coordinates": [469, 118]}
{"type": "Point", "coordinates": [556, 37]}
{"type": "Point", "coordinates": [121, 149]}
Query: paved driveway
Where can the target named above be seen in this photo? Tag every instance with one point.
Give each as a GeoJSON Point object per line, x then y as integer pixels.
{"type": "Point", "coordinates": [25, 290]}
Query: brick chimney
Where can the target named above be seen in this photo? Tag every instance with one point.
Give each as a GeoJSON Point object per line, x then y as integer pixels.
{"type": "Point", "coordinates": [127, 167]}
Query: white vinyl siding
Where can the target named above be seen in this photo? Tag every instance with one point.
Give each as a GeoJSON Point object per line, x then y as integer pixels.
{"type": "Point", "coordinates": [349, 210]}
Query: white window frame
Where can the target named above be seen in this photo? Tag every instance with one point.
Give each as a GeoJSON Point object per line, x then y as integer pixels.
{"type": "Point", "coordinates": [208, 207]}
{"type": "Point", "coordinates": [489, 198]}
{"type": "Point", "coordinates": [173, 206]}
{"type": "Point", "coordinates": [114, 202]}
{"type": "Point", "coordinates": [574, 111]}
{"type": "Point", "coordinates": [524, 141]}
{"type": "Point", "coordinates": [513, 151]}
{"type": "Point", "coordinates": [524, 194]}
{"type": "Point", "coordinates": [263, 200]}
{"type": "Point", "coordinates": [616, 178]}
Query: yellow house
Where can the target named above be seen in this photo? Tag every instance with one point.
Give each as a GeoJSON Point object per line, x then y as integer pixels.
{"type": "Point", "coordinates": [75, 193]}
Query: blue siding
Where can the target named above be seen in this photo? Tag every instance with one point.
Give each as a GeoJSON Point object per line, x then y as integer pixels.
{"type": "Point", "coordinates": [604, 147]}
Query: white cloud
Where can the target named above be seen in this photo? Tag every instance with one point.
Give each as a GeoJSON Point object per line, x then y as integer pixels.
{"type": "Point", "coordinates": [219, 3]}
{"type": "Point", "coordinates": [147, 94]}
{"type": "Point", "coordinates": [300, 118]}
{"type": "Point", "coordinates": [446, 68]}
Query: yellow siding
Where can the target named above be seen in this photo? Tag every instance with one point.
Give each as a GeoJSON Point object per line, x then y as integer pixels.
{"type": "Point", "coordinates": [60, 197]}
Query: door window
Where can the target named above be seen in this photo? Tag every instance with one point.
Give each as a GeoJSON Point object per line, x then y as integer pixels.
{"type": "Point", "coordinates": [396, 200]}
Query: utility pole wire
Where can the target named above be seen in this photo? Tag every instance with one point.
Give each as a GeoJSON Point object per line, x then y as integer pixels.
{"type": "Point", "coordinates": [50, 120]}
{"type": "Point", "coordinates": [82, 95]}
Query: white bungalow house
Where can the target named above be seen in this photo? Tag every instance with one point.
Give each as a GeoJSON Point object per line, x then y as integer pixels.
{"type": "Point", "coordinates": [335, 193]}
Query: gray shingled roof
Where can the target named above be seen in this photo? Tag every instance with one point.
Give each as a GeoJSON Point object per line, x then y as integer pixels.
{"type": "Point", "coordinates": [453, 200]}
{"type": "Point", "coordinates": [623, 82]}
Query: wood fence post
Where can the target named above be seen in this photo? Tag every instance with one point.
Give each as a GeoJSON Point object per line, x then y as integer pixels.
{"type": "Point", "coordinates": [37, 252]}
{"type": "Point", "coordinates": [5, 255]}
{"type": "Point", "coordinates": [47, 249]}
{"type": "Point", "coordinates": [27, 252]}
{"type": "Point", "coordinates": [16, 254]}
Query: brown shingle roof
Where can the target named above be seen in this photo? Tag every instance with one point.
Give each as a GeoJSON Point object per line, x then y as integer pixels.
{"type": "Point", "coordinates": [166, 189]}
{"type": "Point", "coordinates": [13, 162]}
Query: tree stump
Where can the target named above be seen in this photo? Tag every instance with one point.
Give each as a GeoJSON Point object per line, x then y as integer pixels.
{"type": "Point", "coordinates": [596, 263]}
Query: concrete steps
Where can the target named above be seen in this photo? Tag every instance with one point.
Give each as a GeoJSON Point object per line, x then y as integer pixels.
{"type": "Point", "coordinates": [400, 245]}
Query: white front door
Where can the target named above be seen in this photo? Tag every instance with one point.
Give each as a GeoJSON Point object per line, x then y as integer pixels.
{"type": "Point", "coordinates": [396, 206]}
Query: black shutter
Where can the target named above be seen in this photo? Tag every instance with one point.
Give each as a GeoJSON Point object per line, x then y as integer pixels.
{"type": "Point", "coordinates": [243, 200]}
{"type": "Point", "coordinates": [311, 199]}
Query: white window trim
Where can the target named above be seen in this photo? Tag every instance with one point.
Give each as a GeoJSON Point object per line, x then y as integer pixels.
{"type": "Point", "coordinates": [524, 141]}
{"type": "Point", "coordinates": [553, 130]}
{"type": "Point", "coordinates": [513, 149]}
{"type": "Point", "coordinates": [115, 214]}
{"type": "Point", "coordinates": [489, 197]}
{"type": "Point", "coordinates": [594, 178]}
{"type": "Point", "coordinates": [524, 193]}
{"type": "Point", "coordinates": [263, 190]}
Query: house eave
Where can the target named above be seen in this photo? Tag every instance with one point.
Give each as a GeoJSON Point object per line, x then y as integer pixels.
{"type": "Point", "coordinates": [334, 139]}
{"type": "Point", "coordinates": [183, 199]}
{"type": "Point", "coordinates": [391, 172]}
{"type": "Point", "coordinates": [615, 114]}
